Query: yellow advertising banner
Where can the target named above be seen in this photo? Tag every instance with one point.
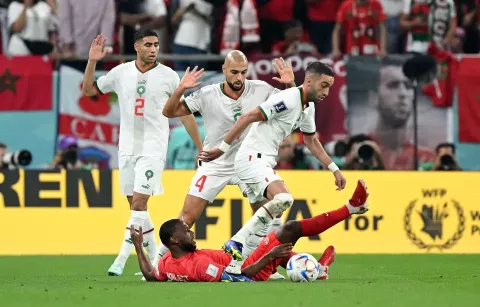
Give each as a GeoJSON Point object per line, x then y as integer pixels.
{"type": "Point", "coordinates": [50, 213]}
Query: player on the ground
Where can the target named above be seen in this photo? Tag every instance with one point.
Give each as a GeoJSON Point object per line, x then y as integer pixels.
{"type": "Point", "coordinates": [221, 105]}
{"type": "Point", "coordinates": [186, 263]}
{"type": "Point", "coordinates": [273, 121]}
{"type": "Point", "coordinates": [143, 86]}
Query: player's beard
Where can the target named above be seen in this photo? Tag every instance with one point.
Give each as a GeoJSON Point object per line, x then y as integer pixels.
{"type": "Point", "coordinates": [233, 88]}
{"type": "Point", "coordinates": [312, 96]}
{"type": "Point", "coordinates": [189, 247]}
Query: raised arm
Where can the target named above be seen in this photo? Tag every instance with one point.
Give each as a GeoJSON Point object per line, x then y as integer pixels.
{"type": "Point", "coordinates": [174, 107]}
{"type": "Point", "coordinates": [97, 52]}
{"type": "Point", "coordinates": [145, 266]}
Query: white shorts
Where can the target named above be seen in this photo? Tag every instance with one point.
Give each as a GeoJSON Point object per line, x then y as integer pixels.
{"type": "Point", "coordinates": [141, 174]}
{"type": "Point", "coordinates": [209, 186]}
{"type": "Point", "coordinates": [256, 171]}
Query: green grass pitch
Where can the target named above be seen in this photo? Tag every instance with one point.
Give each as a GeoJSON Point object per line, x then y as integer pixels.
{"type": "Point", "coordinates": [355, 280]}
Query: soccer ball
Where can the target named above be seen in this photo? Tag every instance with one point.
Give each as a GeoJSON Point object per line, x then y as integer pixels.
{"type": "Point", "coordinates": [303, 268]}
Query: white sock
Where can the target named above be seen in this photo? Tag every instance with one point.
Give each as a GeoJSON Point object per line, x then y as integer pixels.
{"type": "Point", "coordinates": [137, 218]}
{"type": "Point", "coordinates": [162, 250]}
{"type": "Point", "coordinates": [149, 242]}
{"type": "Point", "coordinates": [261, 218]}
{"type": "Point", "coordinates": [253, 240]}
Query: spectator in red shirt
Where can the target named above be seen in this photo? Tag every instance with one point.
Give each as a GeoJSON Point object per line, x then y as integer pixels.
{"type": "Point", "coordinates": [360, 19]}
{"type": "Point", "coordinates": [294, 42]}
{"type": "Point", "coordinates": [274, 15]}
{"type": "Point", "coordinates": [322, 15]}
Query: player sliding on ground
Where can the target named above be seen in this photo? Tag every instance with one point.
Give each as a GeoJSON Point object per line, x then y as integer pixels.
{"type": "Point", "coordinates": [221, 105]}
{"type": "Point", "coordinates": [187, 263]}
{"type": "Point", "coordinates": [273, 121]}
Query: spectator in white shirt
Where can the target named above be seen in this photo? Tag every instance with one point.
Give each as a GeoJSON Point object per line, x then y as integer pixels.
{"type": "Point", "coordinates": [194, 30]}
{"type": "Point", "coordinates": [30, 23]}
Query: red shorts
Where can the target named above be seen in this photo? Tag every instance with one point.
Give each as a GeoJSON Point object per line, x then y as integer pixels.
{"type": "Point", "coordinates": [266, 245]}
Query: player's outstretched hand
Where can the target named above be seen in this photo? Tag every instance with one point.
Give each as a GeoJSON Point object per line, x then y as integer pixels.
{"type": "Point", "coordinates": [284, 70]}
{"type": "Point", "coordinates": [340, 181]}
{"type": "Point", "coordinates": [282, 250]}
{"type": "Point", "coordinates": [98, 49]}
{"type": "Point", "coordinates": [190, 78]}
{"type": "Point", "coordinates": [136, 236]}
{"type": "Point", "coordinates": [210, 154]}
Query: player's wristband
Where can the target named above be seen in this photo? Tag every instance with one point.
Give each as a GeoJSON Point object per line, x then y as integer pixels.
{"type": "Point", "coordinates": [224, 146]}
{"type": "Point", "coordinates": [333, 167]}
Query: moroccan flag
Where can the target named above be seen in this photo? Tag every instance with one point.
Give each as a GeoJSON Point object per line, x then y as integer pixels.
{"type": "Point", "coordinates": [441, 90]}
{"type": "Point", "coordinates": [468, 81]}
{"type": "Point", "coordinates": [25, 83]}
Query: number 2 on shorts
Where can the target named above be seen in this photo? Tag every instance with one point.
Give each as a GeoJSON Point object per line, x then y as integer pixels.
{"type": "Point", "coordinates": [201, 182]}
{"type": "Point", "coordinates": [139, 105]}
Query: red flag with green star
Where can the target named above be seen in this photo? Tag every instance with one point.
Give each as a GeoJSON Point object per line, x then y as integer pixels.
{"type": "Point", "coordinates": [25, 84]}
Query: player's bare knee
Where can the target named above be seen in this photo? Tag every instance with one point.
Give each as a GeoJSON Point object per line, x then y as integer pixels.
{"type": "Point", "coordinates": [289, 232]}
{"type": "Point", "coordinates": [139, 204]}
{"type": "Point", "coordinates": [258, 205]}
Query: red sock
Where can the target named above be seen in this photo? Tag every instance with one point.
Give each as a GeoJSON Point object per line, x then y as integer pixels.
{"type": "Point", "coordinates": [322, 222]}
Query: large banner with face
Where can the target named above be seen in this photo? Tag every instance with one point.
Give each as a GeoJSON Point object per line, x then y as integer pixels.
{"type": "Point", "coordinates": [380, 105]}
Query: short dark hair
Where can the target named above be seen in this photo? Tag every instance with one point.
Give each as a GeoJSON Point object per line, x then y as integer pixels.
{"type": "Point", "coordinates": [319, 68]}
{"type": "Point", "coordinates": [441, 145]}
{"type": "Point", "coordinates": [167, 230]}
{"type": "Point", "coordinates": [293, 24]}
{"type": "Point", "coordinates": [3, 145]}
{"type": "Point", "coordinates": [140, 34]}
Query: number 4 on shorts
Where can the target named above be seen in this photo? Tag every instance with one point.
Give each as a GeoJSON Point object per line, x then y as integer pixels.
{"type": "Point", "coordinates": [201, 182]}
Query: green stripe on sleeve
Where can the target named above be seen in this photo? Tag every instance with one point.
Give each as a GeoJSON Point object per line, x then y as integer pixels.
{"type": "Point", "coordinates": [263, 112]}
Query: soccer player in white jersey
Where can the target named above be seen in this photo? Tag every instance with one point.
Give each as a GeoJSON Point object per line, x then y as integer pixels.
{"type": "Point", "coordinates": [143, 86]}
{"type": "Point", "coordinates": [273, 121]}
{"type": "Point", "coordinates": [221, 105]}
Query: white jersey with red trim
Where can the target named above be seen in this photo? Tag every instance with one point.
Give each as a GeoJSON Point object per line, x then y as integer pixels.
{"type": "Point", "coordinates": [283, 113]}
{"type": "Point", "coordinates": [144, 131]}
{"type": "Point", "coordinates": [220, 113]}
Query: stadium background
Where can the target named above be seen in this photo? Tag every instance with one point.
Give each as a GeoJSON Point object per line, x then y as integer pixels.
{"type": "Point", "coordinates": [80, 212]}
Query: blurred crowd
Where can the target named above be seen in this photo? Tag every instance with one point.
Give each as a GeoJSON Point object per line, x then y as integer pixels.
{"type": "Point", "coordinates": [281, 27]}
{"type": "Point", "coordinates": [66, 28]}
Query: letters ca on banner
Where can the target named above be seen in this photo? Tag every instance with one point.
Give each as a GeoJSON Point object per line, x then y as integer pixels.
{"type": "Point", "coordinates": [410, 212]}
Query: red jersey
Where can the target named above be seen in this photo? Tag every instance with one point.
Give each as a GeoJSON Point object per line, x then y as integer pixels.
{"type": "Point", "coordinates": [360, 25]}
{"type": "Point", "coordinates": [323, 10]}
{"type": "Point", "coordinates": [202, 265]}
{"type": "Point", "coordinates": [404, 159]}
{"type": "Point", "coordinates": [206, 265]}
{"type": "Point", "coordinates": [278, 10]}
